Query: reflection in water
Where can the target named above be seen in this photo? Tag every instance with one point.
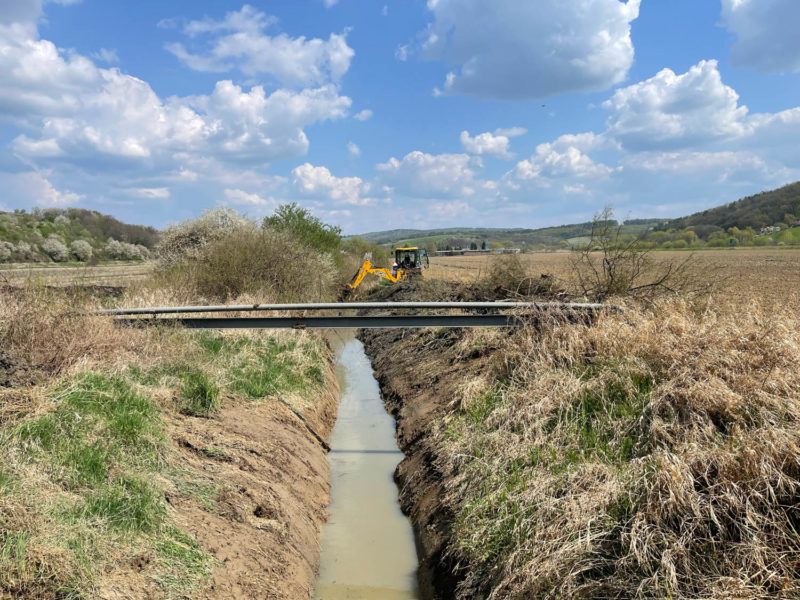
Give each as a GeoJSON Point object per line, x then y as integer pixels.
{"type": "Point", "coordinates": [367, 544]}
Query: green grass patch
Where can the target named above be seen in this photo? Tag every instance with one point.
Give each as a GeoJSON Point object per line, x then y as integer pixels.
{"type": "Point", "coordinates": [273, 368]}
{"type": "Point", "coordinates": [101, 424]}
{"type": "Point", "coordinates": [6, 481]}
{"type": "Point", "coordinates": [126, 505]}
{"type": "Point", "coordinates": [218, 345]}
{"type": "Point", "coordinates": [607, 420]}
{"type": "Point", "coordinates": [199, 395]}
{"type": "Point", "coordinates": [182, 563]}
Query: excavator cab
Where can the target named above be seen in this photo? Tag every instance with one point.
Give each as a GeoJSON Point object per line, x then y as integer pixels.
{"type": "Point", "coordinates": [410, 261]}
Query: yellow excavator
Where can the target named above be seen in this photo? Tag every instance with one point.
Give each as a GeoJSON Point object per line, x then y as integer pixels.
{"type": "Point", "coordinates": [409, 263]}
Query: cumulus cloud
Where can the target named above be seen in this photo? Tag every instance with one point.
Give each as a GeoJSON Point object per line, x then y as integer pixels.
{"type": "Point", "coordinates": [492, 144]}
{"type": "Point", "coordinates": [353, 149]}
{"type": "Point", "coordinates": [321, 183]}
{"type": "Point", "coordinates": [556, 46]}
{"type": "Point", "coordinates": [565, 158]}
{"type": "Point", "coordinates": [243, 198]}
{"type": "Point", "coordinates": [431, 175]}
{"type": "Point", "coordinates": [33, 188]}
{"type": "Point", "coordinates": [363, 115]}
{"type": "Point", "coordinates": [451, 210]}
{"type": "Point", "coordinates": [74, 111]}
{"type": "Point", "coordinates": [674, 111]}
{"type": "Point", "coordinates": [239, 42]}
{"type": "Point", "coordinates": [766, 32]}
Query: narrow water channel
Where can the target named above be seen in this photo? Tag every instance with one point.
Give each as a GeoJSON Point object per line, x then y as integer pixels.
{"type": "Point", "coordinates": [368, 550]}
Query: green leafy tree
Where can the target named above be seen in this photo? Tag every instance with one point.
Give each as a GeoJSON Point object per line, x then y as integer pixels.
{"type": "Point", "coordinates": [306, 228]}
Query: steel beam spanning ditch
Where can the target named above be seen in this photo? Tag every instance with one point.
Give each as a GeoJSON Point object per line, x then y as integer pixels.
{"type": "Point", "coordinates": [161, 310]}
{"type": "Point", "coordinates": [340, 322]}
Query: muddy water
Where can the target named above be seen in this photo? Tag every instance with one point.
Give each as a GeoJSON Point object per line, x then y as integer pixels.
{"type": "Point", "coordinates": [368, 548]}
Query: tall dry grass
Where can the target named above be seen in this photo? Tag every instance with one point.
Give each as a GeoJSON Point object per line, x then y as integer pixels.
{"type": "Point", "coordinates": [652, 454]}
{"type": "Point", "coordinates": [44, 331]}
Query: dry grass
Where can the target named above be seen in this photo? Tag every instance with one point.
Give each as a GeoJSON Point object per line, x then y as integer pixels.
{"type": "Point", "coordinates": [117, 275]}
{"type": "Point", "coordinates": [769, 276]}
{"type": "Point", "coordinates": [654, 454]}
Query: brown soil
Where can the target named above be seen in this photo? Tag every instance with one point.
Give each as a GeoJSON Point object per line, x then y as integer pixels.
{"type": "Point", "coordinates": [270, 481]}
{"type": "Point", "coordinates": [417, 378]}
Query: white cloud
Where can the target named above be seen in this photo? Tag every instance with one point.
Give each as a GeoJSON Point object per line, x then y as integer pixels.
{"type": "Point", "coordinates": [451, 211]}
{"type": "Point", "coordinates": [161, 193]}
{"type": "Point", "coordinates": [240, 197]}
{"type": "Point", "coordinates": [510, 131]}
{"type": "Point", "coordinates": [431, 175]}
{"type": "Point", "coordinates": [556, 46]}
{"type": "Point", "coordinates": [74, 111]}
{"type": "Point", "coordinates": [565, 158]}
{"type": "Point", "coordinates": [401, 52]}
{"type": "Point", "coordinates": [239, 42]}
{"type": "Point", "coordinates": [675, 111]}
{"type": "Point", "coordinates": [353, 149]}
{"type": "Point", "coordinates": [33, 188]}
{"type": "Point", "coordinates": [767, 36]}
{"type": "Point", "coordinates": [330, 3]}
{"type": "Point", "coordinates": [105, 55]}
{"type": "Point", "coordinates": [363, 115]}
{"type": "Point", "coordinates": [492, 144]}
{"type": "Point", "coordinates": [321, 183]}
{"type": "Point", "coordinates": [385, 10]}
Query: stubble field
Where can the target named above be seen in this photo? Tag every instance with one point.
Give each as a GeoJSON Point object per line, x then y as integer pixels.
{"type": "Point", "coordinates": [768, 276]}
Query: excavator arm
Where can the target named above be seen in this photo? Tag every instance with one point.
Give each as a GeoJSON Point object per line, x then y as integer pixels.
{"type": "Point", "coordinates": [368, 268]}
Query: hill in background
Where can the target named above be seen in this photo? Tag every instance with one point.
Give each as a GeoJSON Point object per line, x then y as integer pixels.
{"type": "Point", "coordinates": [72, 234]}
{"type": "Point", "coordinates": [762, 210]}
{"type": "Point", "coordinates": [768, 218]}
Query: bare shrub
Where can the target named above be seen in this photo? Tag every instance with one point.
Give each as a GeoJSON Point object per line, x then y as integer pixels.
{"type": "Point", "coordinates": [254, 261]}
{"type": "Point", "coordinates": [55, 249]}
{"type": "Point", "coordinates": [81, 249]}
{"type": "Point", "coordinates": [186, 241]}
{"type": "Point", "coordinates": [50, 330]}
{"type": "Point", "coordinates": [507, 277]}
{"type": "Point", "coordinates": [612, 264]}
{"type": "Point", "coordinates": [653, 454]}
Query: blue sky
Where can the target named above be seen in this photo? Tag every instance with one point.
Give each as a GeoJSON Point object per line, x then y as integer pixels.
{"type": "Point", "coordinates": [397, 113]}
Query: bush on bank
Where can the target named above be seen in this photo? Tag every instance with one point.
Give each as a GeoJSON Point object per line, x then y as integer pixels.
{"type": "Point", "coordinates": [291, 257]}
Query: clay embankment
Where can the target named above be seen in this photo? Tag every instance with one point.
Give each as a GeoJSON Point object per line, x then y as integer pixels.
{"type": "Point", "coordinates": [265, 531]}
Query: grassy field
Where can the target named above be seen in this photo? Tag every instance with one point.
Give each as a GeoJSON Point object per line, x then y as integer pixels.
{"type": "Point", "coordinates": [67, 274]}
{"type": "Point", "coordinates": [767, 275]}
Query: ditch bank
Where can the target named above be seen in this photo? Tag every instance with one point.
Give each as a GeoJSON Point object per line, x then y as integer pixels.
{"type": "Point", "coordinates": [271, 462]}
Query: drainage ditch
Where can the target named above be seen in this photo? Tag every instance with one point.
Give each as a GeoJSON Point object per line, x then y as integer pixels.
{"type": "Point", "coordinates": [368, 549]}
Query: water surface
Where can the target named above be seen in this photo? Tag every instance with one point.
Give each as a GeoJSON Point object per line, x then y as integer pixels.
{"type": "Point", "coordinates": [368, 550]}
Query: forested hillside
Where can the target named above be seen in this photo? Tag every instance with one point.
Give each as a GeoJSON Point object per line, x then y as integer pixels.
{"type": "Point", "coordinates": [773, 208]}
{"type": "Point", "coordinates": [72, 234]}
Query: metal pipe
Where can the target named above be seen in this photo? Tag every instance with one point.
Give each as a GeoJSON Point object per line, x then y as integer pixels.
{"type": "Point", "coordinates": [161, 310]}
{"type": "Point", "coordinates": [351, 322]}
